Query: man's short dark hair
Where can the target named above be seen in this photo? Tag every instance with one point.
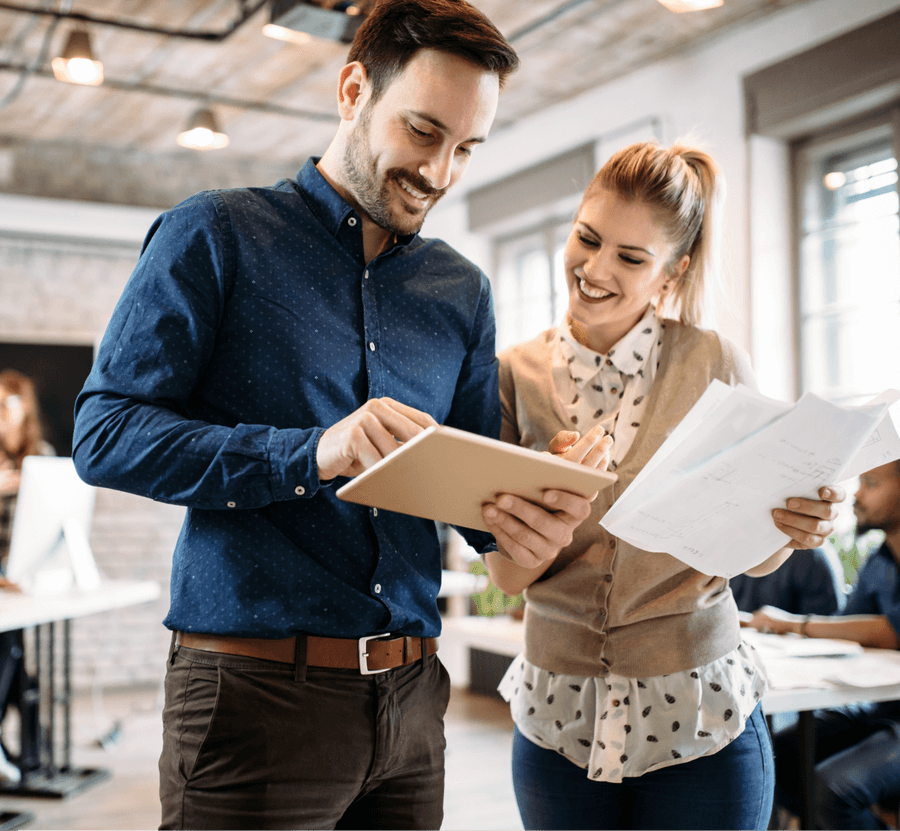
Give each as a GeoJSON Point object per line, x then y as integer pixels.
{"type": "Point", "coordinates": [397, 29]}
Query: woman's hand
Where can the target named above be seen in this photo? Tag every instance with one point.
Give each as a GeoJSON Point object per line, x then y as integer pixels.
{"type": "Point", "coordinates": [9, 479]}
{"type": "Point", "coordinates": [533, 535]}
{"type": "Point", "coordinates": [809, 522]}
{"type": "Point", "coordinates": [593, 449]}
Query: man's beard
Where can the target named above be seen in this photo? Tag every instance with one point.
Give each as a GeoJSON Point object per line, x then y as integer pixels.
{"type": "Point", "coordinates": [374, 198]}
{"type": "Point", "coordinates": [863, 528]}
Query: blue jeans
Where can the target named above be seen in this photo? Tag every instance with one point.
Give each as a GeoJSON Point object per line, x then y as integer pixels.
{"type": "Point", "coordinates": [857, 764]}
{"type": "Point", "coordinates": [727, 790]}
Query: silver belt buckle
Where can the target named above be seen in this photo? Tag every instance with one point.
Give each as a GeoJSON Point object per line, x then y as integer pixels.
{"type": "Point", "coordinates": [362, 643]}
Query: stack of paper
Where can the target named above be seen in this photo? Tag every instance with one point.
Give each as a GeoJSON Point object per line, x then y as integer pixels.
{"type": "Point", "coordinates": [707, 494]}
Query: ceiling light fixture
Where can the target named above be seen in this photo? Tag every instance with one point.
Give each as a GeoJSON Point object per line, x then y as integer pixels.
{"type": "Point", "coordinates": [203, 132]}
{"type": "Point", "coordinates": [76, 64]}
{"type": "Point", "coordinates": [691, 5]}
{"type": "Point", "coordinates": [834, 180]}
{"type": "Point", "coordinates": [299, 21]}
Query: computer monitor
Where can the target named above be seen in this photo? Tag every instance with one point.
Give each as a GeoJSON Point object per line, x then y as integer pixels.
{"type": "Point", "coordinates": [49, 550]}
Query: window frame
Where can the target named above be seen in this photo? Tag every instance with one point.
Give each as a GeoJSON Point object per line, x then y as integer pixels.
{"type": "Point", "coordinates": [885, 120]}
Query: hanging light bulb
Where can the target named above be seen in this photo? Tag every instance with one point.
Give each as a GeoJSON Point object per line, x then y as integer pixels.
{"type": "Point", "coordinates": [203, 132]}
{"type": "Point", "coordinates": [691, 5]}
{"type": "Point", "coordinates": [76, 64]}
{"type": "Point", "coordinates": [834, 180]}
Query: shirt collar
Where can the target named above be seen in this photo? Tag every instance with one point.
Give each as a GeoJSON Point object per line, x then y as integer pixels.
{"type": "Point", "coordinates": [330, 208]}
{"type": "Point", "coordinates": [627, 356]}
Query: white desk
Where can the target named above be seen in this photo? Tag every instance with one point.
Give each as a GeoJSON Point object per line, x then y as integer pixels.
{"type": "Point", "coordinates": [821, 694]}
{"type": "Point", "coordinates": [52, 777]}
{"type": "Point", "coordinates": [20, 611]}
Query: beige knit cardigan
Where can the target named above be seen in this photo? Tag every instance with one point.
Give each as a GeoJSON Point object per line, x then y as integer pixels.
{"type": "Point", "coordinates": [604, 605]}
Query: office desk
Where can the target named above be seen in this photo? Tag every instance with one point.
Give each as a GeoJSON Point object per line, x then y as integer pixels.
{"type": "Point", "coordinates": [818, 693]}
{"type": "Point", "coordinates": [55, 777]}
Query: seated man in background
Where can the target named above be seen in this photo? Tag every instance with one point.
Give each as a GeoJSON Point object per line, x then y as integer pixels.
{"type": "Point", "coordinates": [857, 746]}
{"type": "Point", "coordinates": [811, 582]}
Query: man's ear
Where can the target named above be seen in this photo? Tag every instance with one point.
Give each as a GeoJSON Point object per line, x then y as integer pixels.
{"type": "Point", "coordinates": [353, 84]}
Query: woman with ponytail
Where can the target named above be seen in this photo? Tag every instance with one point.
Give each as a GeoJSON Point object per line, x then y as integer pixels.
{"type": "Point", "coordinates": [636, 702]}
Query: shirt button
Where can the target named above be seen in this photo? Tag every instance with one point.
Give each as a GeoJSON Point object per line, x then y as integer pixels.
{"type": "Point", "coordinates": [374, 511]}
{"type": "Point", "coordinates": [366, 275]}
{"type": "Point", "coordinates": [299, 490]}
{"type": "Point", "coordinates": [377, 588]}
{"type": "Point", "coordinates": [372, 346]}
{"type": "Point", "coordinates": [608, 578]}
{"type": "Point", "coordinates": [231, 504]}
{"type": "Point", "coordinates": [352, 221]}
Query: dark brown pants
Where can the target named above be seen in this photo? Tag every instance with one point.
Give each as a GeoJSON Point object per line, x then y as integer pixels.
{"type": "Point", "coordinates": [249, 743]}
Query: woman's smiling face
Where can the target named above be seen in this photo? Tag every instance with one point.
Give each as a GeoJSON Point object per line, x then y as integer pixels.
{"type": "Point", "coordinates": [616, 262]}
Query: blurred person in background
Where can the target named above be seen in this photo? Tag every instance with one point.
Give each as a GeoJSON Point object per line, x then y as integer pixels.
{"type": "Point", "coordinates": [20, 436]}
{"type": "Point", "coordinates": [811, 582]}
{"type": "Point", "coordinates": [857, 745]}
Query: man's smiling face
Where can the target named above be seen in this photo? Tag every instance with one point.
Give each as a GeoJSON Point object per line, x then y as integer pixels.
{"type": "Point", "coordinates": [408, 147]}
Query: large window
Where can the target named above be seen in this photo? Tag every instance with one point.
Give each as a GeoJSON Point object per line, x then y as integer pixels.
{"type": "Point", "coordinates": [849, 260]}
{"type": "Point", "coordinates": [529, 285]}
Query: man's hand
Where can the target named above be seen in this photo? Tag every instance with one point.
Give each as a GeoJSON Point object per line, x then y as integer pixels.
{"type": "Point", "coordinates": [809, 522]}
{"type": "Point", "coordinates": [532, 535]}
{"type": "Point", "coordinates": [771, 619]}
{"type": "Point", "coordinates": [366, 436]}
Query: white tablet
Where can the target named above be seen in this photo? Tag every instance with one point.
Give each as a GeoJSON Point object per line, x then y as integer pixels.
{"type": "Point", "coordinates": [447, 474]}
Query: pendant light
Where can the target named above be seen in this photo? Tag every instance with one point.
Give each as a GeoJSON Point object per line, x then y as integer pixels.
{"type": "Point", "coordinates": [203, 132]}
{"type": "Point", "coordinates": [76, 64]}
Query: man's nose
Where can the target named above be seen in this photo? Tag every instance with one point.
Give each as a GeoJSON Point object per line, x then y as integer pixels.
{"type": "Point", "coordinates": [438, 170]}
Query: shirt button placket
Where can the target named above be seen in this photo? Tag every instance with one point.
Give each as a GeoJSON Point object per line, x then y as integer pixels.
{"type": "Point", "coordinates": [370, 324]}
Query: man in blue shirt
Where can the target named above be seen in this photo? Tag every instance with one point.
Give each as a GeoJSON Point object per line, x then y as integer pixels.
{"type": "Point", "coordinates": [270, 342]}
{"type": "Point", "coordinates": [858, 746]}
{"type": "Point", "coordinates": [811, 582]}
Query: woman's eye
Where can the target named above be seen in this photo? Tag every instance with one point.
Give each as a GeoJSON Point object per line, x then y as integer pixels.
{"type": "Point", "coordinates": [418, 133]}
{"type": "Point", "coordinates": [587, 241]}
{"type": "Point", "coordinates": [630, 260]}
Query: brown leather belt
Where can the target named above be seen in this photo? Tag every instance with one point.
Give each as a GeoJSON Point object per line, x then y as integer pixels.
{"type": "Point", "coordinates": [374, 653]}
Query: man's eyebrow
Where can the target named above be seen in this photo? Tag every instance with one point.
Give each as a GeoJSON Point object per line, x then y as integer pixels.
{"type": "Point", "coordinates": [626, 247]}
{"type": "Point", "coordinates": [438, 124]}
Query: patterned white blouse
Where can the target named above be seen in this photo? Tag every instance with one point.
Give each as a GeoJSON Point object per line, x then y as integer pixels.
{"type": "Point", "coordinates": [616, 726]}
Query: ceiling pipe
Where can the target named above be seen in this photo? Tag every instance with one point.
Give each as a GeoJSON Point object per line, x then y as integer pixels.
{"type": "Point", "coordinates": [211, 36]}
{"type": "Point", "coordinates": [552, 15]}
{"type": "Point", "coordinates": [191, 95]}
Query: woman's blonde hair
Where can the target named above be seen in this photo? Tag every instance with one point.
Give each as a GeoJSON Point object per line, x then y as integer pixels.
{"type": "Point", "coordinates": [32, 434]}
{"type": "Point", "coordinates": [684, 189]}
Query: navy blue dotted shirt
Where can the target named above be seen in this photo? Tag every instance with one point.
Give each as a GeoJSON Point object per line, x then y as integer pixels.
{"type": "Point", "coordinates": [252, 323]}
{"type": "Point", "coordinates": [877, 588]}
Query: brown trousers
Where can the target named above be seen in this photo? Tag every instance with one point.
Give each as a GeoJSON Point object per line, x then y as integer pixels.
{"type": "Point", "coordinates": [255, 744]}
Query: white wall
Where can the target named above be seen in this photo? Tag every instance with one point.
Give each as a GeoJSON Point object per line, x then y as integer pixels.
{"type": "Point", "coordinates": [700, 93]}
